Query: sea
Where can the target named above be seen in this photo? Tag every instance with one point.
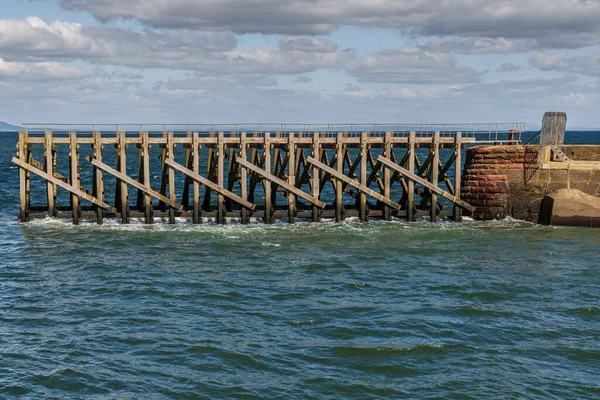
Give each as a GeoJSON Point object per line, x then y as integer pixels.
{"type": "Point", "coordinates": [354, 310]}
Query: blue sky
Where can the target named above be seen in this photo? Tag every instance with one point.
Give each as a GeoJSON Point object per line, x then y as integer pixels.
{"type": "Point", "coordinates": [217, 61]}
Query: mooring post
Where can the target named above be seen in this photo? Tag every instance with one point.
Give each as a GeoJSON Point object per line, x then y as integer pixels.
{"type": "Point", "coordinates": [98, 186]}
{"type": "Point", "coordinates": [291, 178]}
{"type": "Point", "coordinates": [145, 154]}
{"type": "Point", "coordinates": [268, 219]}
{"type": "Point", "coordinates": [22, 153]}
{"type": "Point", "coordinates": [197, 217]}
{"type": "Point", "coordinates": [50, 187]}
{"type": "Point", "coordinates": [552, 132]}
{"type": "Point", "coordinates": [171, 174]}
{"type": "Point", "coordinates": [74, 175]}
{"type": "Point", "coordinates": [220, 178]}
{"type": "Point", "coordinates": [339, 184]}
{"type": "Point", "coordinates": [363, 212]}
{"type": "Point", "coordinates": [122, 185]}
{"type": "Point", "coordinates": [435, 170]}
{"type": "Point", "coordinates": [387, 215]}
{"type": "Point", "coordinates": [316, 181]}
{"type": "Point", "coordinates": [457, 174]}
{"type": "Point", "coordinates": [410, 212]}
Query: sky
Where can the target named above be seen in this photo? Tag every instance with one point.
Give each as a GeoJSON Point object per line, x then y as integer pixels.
{"type": "Point", "coordinates": [299, 61]}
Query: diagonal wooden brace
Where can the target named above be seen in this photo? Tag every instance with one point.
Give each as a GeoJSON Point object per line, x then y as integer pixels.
{"type": "Point", "coordinates": [209, 184]}
{"type": "Point", "coordinates": [280, 182]}
{"type": "Point", "coordinates": [428, 185]}
{"type": "Point", "coordinates": [59, 182]}
{"type": "Point", "coordinates": [134, 183]}
{"type": "Point", "coordinates": [352, 182]}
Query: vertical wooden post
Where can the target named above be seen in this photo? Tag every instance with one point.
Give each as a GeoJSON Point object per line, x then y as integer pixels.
{"type": "Point", "coordinates": [23, 149]}
{"type": "Point", "coordinates": [74, 175]}
{"type": "Point", "coordinates": [145, 154]}
{"type": "Point", "coordinates": [435, 169]}
{"type": "Point", "coordinates": [457, 174]}
{"type": "Point", "coordinates": [122, 167]}
{"type": "Point", "coordinates": [339, 185]}
{"type": "Point", "coordinates": [220, 179]}
{"type": "Point", "coordinates": [267, 183]}
{"type": "Point", "coordinates": [291, 177]}
{"type": "Point", "coordinates": [316, 178]}
{"type": "Point", "coordinates": [171, 172]}
{"type": "Point", "coordinates": [197, 217]}
{"type": "Point", "coordinates": [387, 215]}
{"type": "Point", "coordinates": [185, 196]}
{"type": "Point", "coordinates": [244, 215]}
{"type": "Point", "coordinates": [50, 187]}
{"type": "Point", "coordinates": [139, 202]}
{"type": "Point", "coordinates": [163, 172]}
{"type": "Point", "coordinates": [363, 212]}
{"type": "Point", "coordinates": [410, 213]}
{"type": "Point", "coordinates": [98, 181]}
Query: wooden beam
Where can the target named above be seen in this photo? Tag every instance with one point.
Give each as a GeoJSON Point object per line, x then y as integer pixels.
{"type": "Point", "coordinates": [244, 215]}
{"type": "Point", "coordinates": [287, 186]}
{"type": "Point", "coordinates": [316, 213]}
{"type": "Point", "coordinates": [220, 178]}
{"type": "Point", "coordinates": [291, 177]}
{"type": "Point", "coordinates": [145, 154]}
{"type": "Point", "coordinates": [387, 215]}
{"type": "Point", "coordinates": [362, 209]}
{"type": "Point", "coordinates": [457, 173]}
{"type": "Point", "coordinates": [339, 190]}
{"type": "Point", "coordinates": [66, 186]}
{"type": "Point", "coordinates": [267, 183]}
{"type": "Point", "coordinates": [98, 188]}
{"type": "Point", "coordinates": [171, 157]}
{"type": "Point", "coordinates": [135, 183]}
{"type": "Point", "coordinates": [74, 174]}
{"type": "Point", "coordinates": [411, 176]}
{"type": "Point", "coordinates": [50, 185]}
{"type": "Point", "coordinates": [435, 148]}
{"type": "Point", "coordinates": [410, 212]}
{"type": "Point", "coordinates": [211, 185]}
{"type": "Point", "coordinates": [22, 152]}
{"type": "Point", "coordinates": [197, 216]}
{"type": "Point", "coordinates": [352, 182]}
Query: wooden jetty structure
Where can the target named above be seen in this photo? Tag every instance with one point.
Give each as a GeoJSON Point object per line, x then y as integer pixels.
{"type": "Point", "coordinates": [198, 173]}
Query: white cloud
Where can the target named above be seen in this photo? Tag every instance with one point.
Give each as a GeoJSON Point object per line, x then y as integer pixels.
{"type": "Point", "coordinates": [29, 71]}
{"type": "Point", "coordinates": [554, 22]}
{"type": "Point", "coordinates": [412, 66]}
{"type": "Point", "coordinates": [588, 64]}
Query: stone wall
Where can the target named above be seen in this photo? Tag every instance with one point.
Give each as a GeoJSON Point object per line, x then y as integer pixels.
{"type": "Point", "coordinates": [503, 181]}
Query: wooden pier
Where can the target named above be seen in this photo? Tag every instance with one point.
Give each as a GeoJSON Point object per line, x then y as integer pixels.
{"type": "Point", "coordinates": [223, 172]}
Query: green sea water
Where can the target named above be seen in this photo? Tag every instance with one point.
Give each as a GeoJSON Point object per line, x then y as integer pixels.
{"type": "Point", "coordinates": [499, 309]}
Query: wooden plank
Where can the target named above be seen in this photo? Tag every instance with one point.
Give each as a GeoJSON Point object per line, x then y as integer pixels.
{"type": "Point", "coordinates": [98, 189]}
{"type": "Point", "coordinates": [457, 174]}
{"type": "Point", "coordinates": [352, 182]}
{"type": "Point", "coordinates": [134, 183]}
{"type": "Point", "coordinates": [171, 172]}
{"type": "Point", "coordinates": [66, 186]}
{"type": "Point", "coordinates": [411, 176]}
{"type": "Point", "coordinates": [74, 174]}
{"type": "Point", "coordinates": [435, 148]}
{"type": "Point", "coordinates": [185, 196]}
{"type": "Point", "coordinates": [50, 185]}
{"type": "Point", "coordinates": [197, 214]}
{"type": "Point", "coordinates": [287, 186]}
{"type": "Point", "coordinates": [410, 212]}
{"type": "Point", "coordinates": [211, 185]}
{"type": "Point", "coordinates": [145, 154]}
{"type": "Point", "coordinates": [291, 177]}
